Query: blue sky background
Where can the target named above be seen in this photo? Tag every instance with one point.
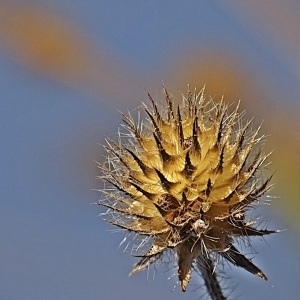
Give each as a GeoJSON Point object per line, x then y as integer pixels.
{"type": "Point", "coordinates": [53, 245]}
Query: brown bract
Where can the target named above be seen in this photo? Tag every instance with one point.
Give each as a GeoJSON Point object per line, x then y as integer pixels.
{"type": "Point", "coordinates": [185, 178]}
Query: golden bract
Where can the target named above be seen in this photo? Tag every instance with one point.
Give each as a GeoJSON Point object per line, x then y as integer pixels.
{"type": "Point", "coordinates": [185, 177]}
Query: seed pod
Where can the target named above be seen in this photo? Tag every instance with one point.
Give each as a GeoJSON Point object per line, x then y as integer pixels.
{"type": "Point", "coordinates": [185, 178]}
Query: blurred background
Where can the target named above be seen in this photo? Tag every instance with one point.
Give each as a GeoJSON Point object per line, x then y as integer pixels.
{"type": "Point", "coordinates": [67, 67]}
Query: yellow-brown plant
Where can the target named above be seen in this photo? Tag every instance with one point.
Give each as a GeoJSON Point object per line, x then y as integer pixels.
{"type": "Point", "coordinates": [184, 179]}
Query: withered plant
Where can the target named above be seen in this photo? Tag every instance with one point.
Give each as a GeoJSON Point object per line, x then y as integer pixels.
{"type": "Point", "coordinates": [185, 179]}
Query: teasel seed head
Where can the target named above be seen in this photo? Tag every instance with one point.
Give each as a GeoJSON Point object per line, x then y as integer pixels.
{"type": "Point", "coordinates": [185, 179]}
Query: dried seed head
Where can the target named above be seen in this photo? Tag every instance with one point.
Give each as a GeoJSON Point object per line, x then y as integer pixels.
{"type": "Point", "coordinates": [185, 178]}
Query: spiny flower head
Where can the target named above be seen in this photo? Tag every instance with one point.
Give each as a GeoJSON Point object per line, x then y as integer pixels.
{"type": "Point", "coordinates": [185, 177]}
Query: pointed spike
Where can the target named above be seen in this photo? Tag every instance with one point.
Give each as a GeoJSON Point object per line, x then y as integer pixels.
{"type": "Point", "coordinates": [262, 189]}
{"type": "Point", "coordinates": [255, 164]}
{"type": "Point", "coordinates": [241, 137]}
{"type": "Point", "coordinates": [180, 130]}
{"type": "Point", "coordinates": [219, 168]}
{"type": "Point", "coordinates": [188, 167]}
{"type": "Point", "coordinates": [187, 251]}
{"type": "Point", "coordinates": [245, 159]}
{"type": "Point", "coordinates": [229, 197]}
{"type": "Point", "coordinates": [163, 211]}
{"type": "Point", "coordinates": [167, 185]}
{"type": "Point", "coordinates": [240, 143]}
{"type": "Point", "coordinates": [156, 128]}
{"type": "Point", "coordinates": [184, 198]}
{"type": "Point", "coordinates": [185, 280]}
{"type": "Point", "coordinates": [254, 135]}
{"type": "Point", "coordinates": [248, 175]}
{"type": "Point", "coordinates": [127, 211]}
{"type": "Point", "coordinates": [222, 111]}
{"type": "Point", "coordinates": [194, 105]}
{"type": "Point", "coordinates": [144, 263]}
{"type": "Point", "coordinates": [163, 154]}
{"type": "Point", "coordinates": [135, 226]}
{"type": "Point", "coordinates": [117, 185]}
{"type": "Point", "coordinates": [249, 231]}
{"type": "Point", "coordinates": [191, 105]}
{"type": "Point", "coordinates": [196, 145]}
{"type": "Point", "coordinates": [158, 117]}
{"type": "Point", "coordinates": [145, 193]}
{"type": "Point", "coordinates": [207, 268]}
{"type": "Point", "coordinates": [127, 120]}
{"type": "Point", "coordinates": [242, 228]}
{"type": "Point", "coordinates": [112, 150]}
{"type": "Point", "coordinates": [233, 116]}
{"type": "Point", "coordinates": [208, 188]}
{"type": "Point", "coordinates": [239, 260]}
{"type": "Point", "coordinates": [170, 105]}
{"type": "Point", "coordinates": [143, 167]}
{"type": "Point", "coordinates": [258, 161]}
{"type": "Point", "coordinates": [245, 202]}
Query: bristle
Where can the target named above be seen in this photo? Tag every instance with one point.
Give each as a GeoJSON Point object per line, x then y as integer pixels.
{"type": "Point", "coordinates": [186, 180]}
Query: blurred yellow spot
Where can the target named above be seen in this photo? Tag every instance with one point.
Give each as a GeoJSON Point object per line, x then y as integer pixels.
{"type": "Point", "coordinates": [44, 41]}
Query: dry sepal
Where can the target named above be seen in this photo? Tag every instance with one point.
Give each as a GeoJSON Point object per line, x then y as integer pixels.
{"type": "Point", "coordinates": [185, 178]}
